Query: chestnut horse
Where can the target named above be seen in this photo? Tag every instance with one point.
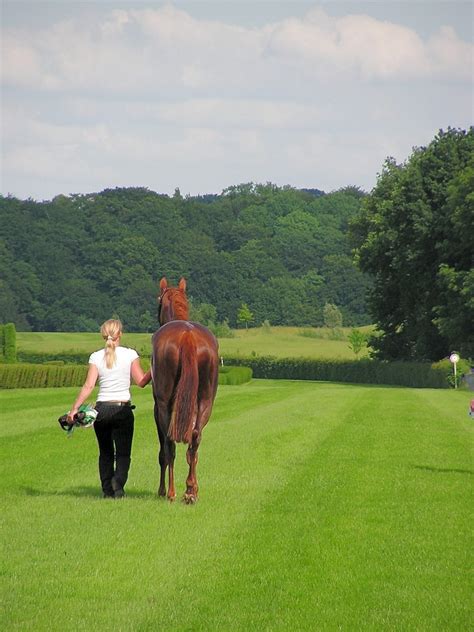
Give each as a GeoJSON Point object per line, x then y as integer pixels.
{"type": "Point", "coordinates": [184, 372]}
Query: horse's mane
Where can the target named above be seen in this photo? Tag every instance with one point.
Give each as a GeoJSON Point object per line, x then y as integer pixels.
{"type": "Point", "coordinates": [180, 305]}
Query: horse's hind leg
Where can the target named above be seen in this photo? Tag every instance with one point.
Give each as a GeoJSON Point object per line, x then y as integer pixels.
{"type": "Point", "coordinates": [191, 493]}
{"type": "Point", "coordinates": [166, 459]}
{"type": "Point", "coordinates": [166, 456]}
{"type": "Point", "coordinates": [171, 452]}
{"type": "Point", "coordinates": [204, 412]}
{"type": "Point", "coordinates": [162, 462]}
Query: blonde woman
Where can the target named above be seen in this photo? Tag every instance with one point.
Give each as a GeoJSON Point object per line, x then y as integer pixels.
{"type": "Point", "coordinates": [114, 366]}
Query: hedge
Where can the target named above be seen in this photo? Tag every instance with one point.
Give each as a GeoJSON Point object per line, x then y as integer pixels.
{"type": "Point", "coordinates": [234, 375]}
{"type": "Point", "coordinates": [418, 375]}
{"type": "Point", "coordinates": [41, 375]}
{"type": "Point", "coordinates": [49, 375]}
{"type": "Point", "coordinates": [412, 374]}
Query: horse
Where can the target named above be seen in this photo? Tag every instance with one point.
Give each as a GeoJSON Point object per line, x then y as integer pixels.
{"type": "Point", "coordinates": [184, 369]}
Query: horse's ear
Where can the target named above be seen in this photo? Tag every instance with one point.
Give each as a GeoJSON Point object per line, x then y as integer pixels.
{"type": "Point", "coordinates": [182, 284]}
{"type": "Point", "coordinates": [163, 284]}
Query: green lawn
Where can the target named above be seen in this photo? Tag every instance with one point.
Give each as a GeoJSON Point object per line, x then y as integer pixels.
{"type": "Point", "coordinates": [322, 507]}
{"type": "Point", "coordinates": [287, 342]}
{"type": "Point", "coordinates": [281, 342]}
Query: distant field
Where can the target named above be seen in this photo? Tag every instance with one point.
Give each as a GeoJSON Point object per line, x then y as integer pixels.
{"type": "Point", "coordinates": [57, 342]}
{"type": "Point", "coordinates": [322, 507]}
{"type": "Point", "coordinates": [287, 342]}
{"type": "Point", "coordinates": [281, 342]}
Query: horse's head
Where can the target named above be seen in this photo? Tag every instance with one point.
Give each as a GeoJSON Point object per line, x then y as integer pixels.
{"type": "Point", "coordinates": [172, 302]}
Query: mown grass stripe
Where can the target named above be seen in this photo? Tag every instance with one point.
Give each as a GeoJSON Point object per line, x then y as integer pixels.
{"type": "Point", "coordinates": [316, 512]}
{"type": "Point", "coordinates": [361, 568]}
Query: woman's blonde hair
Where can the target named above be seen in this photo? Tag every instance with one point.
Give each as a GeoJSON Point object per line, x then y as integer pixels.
{"type": "Point", "coordinates": [110, 331]}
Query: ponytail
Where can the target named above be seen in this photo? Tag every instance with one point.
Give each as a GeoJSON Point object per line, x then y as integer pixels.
{"type": "Point", "coordinates": [110, 331]}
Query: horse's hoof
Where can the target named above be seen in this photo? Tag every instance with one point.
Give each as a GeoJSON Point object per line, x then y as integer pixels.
{"type": "Point", "coordinates": [190, 499]}
{"type": "Point", "coordinates": [171, 499]}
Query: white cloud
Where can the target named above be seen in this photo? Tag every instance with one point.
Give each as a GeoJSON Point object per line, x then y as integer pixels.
{"type": "Point", "coordinates": [152, 49]}
{"type": "Point", "coordinates": [451, 56]}
{"type": "Point", "coordinates": [159, 98]}
{"type": "Point", "coordinates": [371, 48]}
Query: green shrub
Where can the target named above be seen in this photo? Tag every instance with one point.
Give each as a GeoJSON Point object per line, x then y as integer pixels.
{"type": "Point", "coordinates": [41, 375]}
{"type": "Point", "coordinates": [446, 369]}
{"type": "Point", "coordinates": [357, 341]}
{"type": "Point", "coordinates": [419, 375]}
{"type": "Point", "coordinates": [2, 341]}
{"type": "Point", "coordinates": [222, 330]}
{"type": "Point", "coordinates": [234, 375]}
{"type": "Point", "coordinates": [9, 342]}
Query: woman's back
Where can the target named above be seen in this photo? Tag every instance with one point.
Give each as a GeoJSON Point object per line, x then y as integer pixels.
{"type": "Point", "coordinates": [114, 382]}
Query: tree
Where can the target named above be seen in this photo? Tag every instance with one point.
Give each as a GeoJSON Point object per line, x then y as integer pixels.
{"type": "Point", "coordinates": [357, 341]}
{"type": "Point", "coordinates": [414, 235]}
{"type": "Point", "coordinates": [9, 343]}
{"type": "Point", "coordinates": [244, 315]}
{"type": "Point", "coordinates": [332, 316]}
{"type": "Point", "coordinates": [455, 312]}
{"type": "Point", "coordinates": [203, 313]}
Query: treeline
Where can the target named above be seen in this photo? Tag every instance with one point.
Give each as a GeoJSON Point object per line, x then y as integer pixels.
{"type": "Point", "coordinates": [70, 263]}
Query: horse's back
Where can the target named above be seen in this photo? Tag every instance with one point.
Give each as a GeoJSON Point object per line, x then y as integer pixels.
{"type": "Point", "coordinates": [170, 337]}
{"type": "Point", "coordinates": [179, 337]}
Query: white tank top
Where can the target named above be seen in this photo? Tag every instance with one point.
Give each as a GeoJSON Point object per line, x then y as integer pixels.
{"type": "Point", "coordinates": [114, 383]}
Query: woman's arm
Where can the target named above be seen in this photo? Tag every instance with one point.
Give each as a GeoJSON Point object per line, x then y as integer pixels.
{"type": "Point", "coordinates": [140, 378]}
{"type": "Point", "coordinates": [85, 391]}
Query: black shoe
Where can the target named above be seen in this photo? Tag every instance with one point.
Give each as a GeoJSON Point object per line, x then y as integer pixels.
{"type": "Point", "coordinates": [118, 491]}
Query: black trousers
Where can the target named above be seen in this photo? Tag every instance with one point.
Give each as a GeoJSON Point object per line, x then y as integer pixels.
{"type": "Point", "coordinates": [114, 431]}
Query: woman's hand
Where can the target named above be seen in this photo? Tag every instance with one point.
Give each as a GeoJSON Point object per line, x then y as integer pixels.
{"type": "Point", "coordinates": [70, 416]}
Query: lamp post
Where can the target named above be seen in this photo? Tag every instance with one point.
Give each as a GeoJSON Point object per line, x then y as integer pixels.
{"type": "Point", "coordinates": [454, 358]}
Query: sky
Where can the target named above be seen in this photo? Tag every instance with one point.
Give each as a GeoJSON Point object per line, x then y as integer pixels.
{"type": "Point", "coordinates": [203, 95]}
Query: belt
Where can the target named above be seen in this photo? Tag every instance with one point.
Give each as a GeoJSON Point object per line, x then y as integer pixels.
{"type": "Point", "coordinates": [112, 403]}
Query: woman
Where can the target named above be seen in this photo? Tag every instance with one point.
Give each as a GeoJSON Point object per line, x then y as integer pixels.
{"type": "Point", "coordinates": [114, 366]}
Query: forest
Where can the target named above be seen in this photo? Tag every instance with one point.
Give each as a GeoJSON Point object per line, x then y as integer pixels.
{"type": "Point", "coordinates": [72, 262]}
{"type": "Point", "coordinates": [400, 257]}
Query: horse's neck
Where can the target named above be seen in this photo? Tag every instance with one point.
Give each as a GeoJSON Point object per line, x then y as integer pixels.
{"type": "Point", "coordinates": [178, 312]}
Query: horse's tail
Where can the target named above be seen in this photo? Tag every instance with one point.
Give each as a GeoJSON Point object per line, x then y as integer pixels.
{"type": "Point", "coordinates": [184, 412]}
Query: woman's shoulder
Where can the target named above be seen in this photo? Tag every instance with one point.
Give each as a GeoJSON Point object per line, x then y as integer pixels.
{"type": "Point", "coordinates": [96, 355]}
{"type": "Point", "coordinates": [127, 352]}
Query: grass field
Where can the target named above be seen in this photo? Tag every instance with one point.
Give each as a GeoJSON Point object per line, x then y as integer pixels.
{"type": "Point", "coordinates": [322, 507]}
{"type": "Point", "coordinates": [281, 342]}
